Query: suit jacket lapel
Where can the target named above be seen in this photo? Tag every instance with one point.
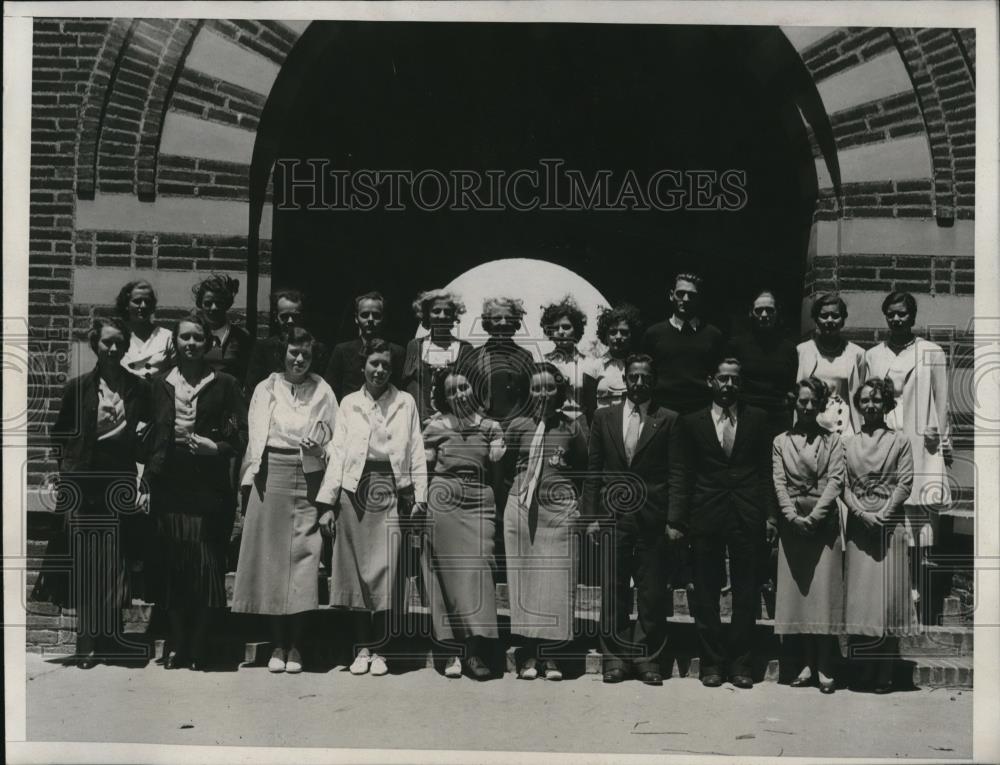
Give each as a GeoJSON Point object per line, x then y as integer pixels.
{"type": "Point", "coordinates": [616, 423]}
{"type": "Point", "coordinates": [654, 419]}
{"type": "Point", "coordinates": [708, 425]}
{"type": "Point", "coordinates": [742, 423]}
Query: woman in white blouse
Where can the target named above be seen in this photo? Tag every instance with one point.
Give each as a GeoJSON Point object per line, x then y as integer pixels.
{"type": "Point", "coordinates": [291, 420]}
{"type": "Point", "coordinates": [151, 348]}
{"type": "Point", "coordinates": [836, 361]}
{"type": "Point", "coordinates": [918, 370]}
{"type": "Point", "coordinates": [376, 475]}
{"type": "Point", "coordinates": [563, 324]}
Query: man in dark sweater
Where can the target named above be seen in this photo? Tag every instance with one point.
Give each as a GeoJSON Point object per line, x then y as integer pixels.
{"type": "Point", "coordinates": [684, 347]}
{"type": "Point", "coordinates": [346, 370]}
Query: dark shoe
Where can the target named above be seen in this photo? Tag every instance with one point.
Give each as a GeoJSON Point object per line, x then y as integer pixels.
{"type": "Point", "coordinates": [711, 680]}
{"type": "Point", "coordinates": [742, 681]}
{"type": "Point", "coordinates": [478, 669]}
{"type": "Point", "coordinates": [614, 675]}
{"type": "Point", "coordinates": [649, 677]}
{"type": "Point", "coordinates": [197, 665]}
{"type": "Point", "coordinates": [883, 686]}
{"type": "Point", "coordinates": [802, 682]}
{"type": "Point", "coordinates": [173, 661]}
{"type": "Point", "coordinates": [827, 688]}
{"type": "Point", "coordinates": [88, 662]}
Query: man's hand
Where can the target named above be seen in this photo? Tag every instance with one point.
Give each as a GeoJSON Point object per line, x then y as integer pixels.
{"type": "Point", "coordinates": [772, 532]}
{"type": "Point", "coordinates": [674, 534]}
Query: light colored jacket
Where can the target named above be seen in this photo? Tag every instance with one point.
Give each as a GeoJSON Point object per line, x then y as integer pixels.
{"type": "Point", "coordinates": [322, 408]}
{"type": "Point", "coordinates": [348, 451]}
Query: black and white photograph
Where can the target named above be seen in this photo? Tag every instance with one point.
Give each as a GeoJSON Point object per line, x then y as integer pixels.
{"type": "Point", "coordinates": [502, 381]}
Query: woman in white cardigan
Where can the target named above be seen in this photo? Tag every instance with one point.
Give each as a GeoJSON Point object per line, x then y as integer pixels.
{"type": "Point", "coordinates": [376, 474]}
{"type": "Point", "coordinates": [292, 417]}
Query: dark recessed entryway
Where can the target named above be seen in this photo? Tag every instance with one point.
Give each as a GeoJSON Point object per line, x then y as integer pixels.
{"type": "Point", "coordinates": [505, 96]}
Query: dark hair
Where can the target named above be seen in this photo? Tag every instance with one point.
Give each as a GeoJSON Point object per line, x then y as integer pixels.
{"type": "Point", "coordinates": [766, 291]}
{"type": "Point", "coordinates": [639, 358]}
{"type": "Point", "coordinates": [125, 295]}
{"type": "Point", "coordinates": [819, 390]}
{"type": "Point", "coordinates": [726, 359]}
{"type": "Point", "coordinates": [94, 333]}
{"type": "Point", "coordinates": [369, 296]}
{"type": "Point", "coordinates": [195, 318]}
{"type": "Point", "coordinates": [377, 345]}
{"type": "Point", "coordinates": [901, 297]}
{"type": "Point", "coordinates": [562, 382]}
{"type": "Point", "coordinates": [438, 398]}
{"type": "Point", "coordinates": [884, 386]}
{"type": "Point", "coordinates": [220, 284]}
{"type": "Point", "coordinates": [687, 276]}
{"type": "Point", "coordinates": [608, 317]}
{"type": "Point", "coordinates": [567, 307]}
{"type": "Point", "coordinates": [288, 338]}
{"type": "Point", "coordinates": [828, 298]}
{"type": "Point", "coordinates": [287, 293]}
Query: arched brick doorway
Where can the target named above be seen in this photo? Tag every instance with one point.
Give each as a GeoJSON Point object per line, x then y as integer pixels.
{"type": "Point", "coordinates": [504, 97]}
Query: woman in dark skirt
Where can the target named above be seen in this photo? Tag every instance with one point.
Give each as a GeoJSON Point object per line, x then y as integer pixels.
{"type": "Point", "coordinates": [200, 421]}
{"type": "Point", "coordinates": [463, 453]}
{"type": "Point", "coordinates": [808, 467]}
{"type": "Point", "coordinates": [878, 606]}
{"type": "Point", "coordinates": [103, 417]}
{"type": "Point", "coordinates": [292, 416]}
{"type": "Point", "coordinates": [376, 474]}
{"type": "Point", "coordinates": [540, 518]}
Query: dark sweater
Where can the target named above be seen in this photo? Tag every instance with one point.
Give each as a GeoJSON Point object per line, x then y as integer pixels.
{"type": "Point", "coordinates": [683, 363]}
{"type": "Point", "coordinates": [769, 363]}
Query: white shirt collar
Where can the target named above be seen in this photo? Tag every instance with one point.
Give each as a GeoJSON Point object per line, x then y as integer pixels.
{"type": "Point", "coordinates": [679, 323]}
{"type": "Point", "coordinates": [718, 412]}
{"type": "Point", "coordinates": [631, 406]}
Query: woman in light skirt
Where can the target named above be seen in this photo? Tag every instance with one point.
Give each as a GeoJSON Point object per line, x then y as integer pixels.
{"type": "Point", "coordinates": [292, 416]}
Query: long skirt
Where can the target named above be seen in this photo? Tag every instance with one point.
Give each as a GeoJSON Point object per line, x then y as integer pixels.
{"type": "Point", "coordinates": [457, 562]}
{"type": "Point", "coordinates": [279, 553]}
{"type": "Point", "coordinates": [877, 597]}
{"type": "Point", "coordinates": [364, 567]}
{"type": "Point", "coordinates": [541, 560]}
{"type": "Point", "coordinates": [810, 585]}
{"type": "Point", "coordinates": [193, 522]}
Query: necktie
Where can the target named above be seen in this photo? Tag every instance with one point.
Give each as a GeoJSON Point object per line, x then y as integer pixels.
{"type": "Point", "coordinates": [728, 433]}
{"type": "Point", "coordinates": [632, 434]}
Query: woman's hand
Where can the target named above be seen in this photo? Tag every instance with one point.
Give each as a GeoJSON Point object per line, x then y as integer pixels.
{"type": "Point", "coordinates": [870, 520]}
{"type": "Point", "coordinates": [311, 448]}
{"type": "Point", "coordinates": [327, 524]}
{"type": "Point", "coordinates": [419, 511]}
{"type": "Point", "coordinates": [801, 525]}
{"type": "Point", "coordinates": [202, 446]}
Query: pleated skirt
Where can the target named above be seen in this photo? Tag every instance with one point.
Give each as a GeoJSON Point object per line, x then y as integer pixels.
{"type": "Point", "coordinates": [457, 559]}
{"type": "Point", "coordinates": [280, 549]}
{"type": "Point", "coordinates": [364, 566]}
{"type": "Point", "coordinates": [877, 595]}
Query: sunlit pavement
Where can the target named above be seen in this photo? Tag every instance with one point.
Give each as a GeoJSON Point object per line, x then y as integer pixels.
{"type": "Point", "coordinates": [424, 710]}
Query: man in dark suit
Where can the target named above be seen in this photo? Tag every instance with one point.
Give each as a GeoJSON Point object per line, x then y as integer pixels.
{"type": "Point", "coordinates": [728, 466]}
{"type": "Point", "coordinates": [287, 311]}
{"type": "Point", "coordinates": [346, 370]}
{"type": "Point", "coordinates": [635, 485]}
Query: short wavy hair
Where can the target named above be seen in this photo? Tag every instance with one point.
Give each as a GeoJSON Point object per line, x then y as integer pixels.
{"type": "Point", "coordinates": [828, 298]}
{"type": "Point", "coordinates": [125, 295]}
{"type": "Point", "coordinates": [94, 333]}
{"type": "Point", "coordinates": [377, 345]}
{"type": "Point", "coordinates": [219, 284]}
{"type": "Point", "coordinates": [438, 399]}
{"type": "Point", "coordinates": [687, 276]}
{"type": "Point", "coordinates": [900, 297]}
{"type": "Point", "coordinates": [567, 307]}
{"type": "Point", "coordinates": [884, 386]}
{"type": "Point", "coordinates": [425, 300]}
{"type": "Point", "coordinates": [640, 358]}
{"type": "Point", "coordinates": [515, 305]}
{"type": "Point", "coordinates": [294, 336]}
{"type": "Point", "coordinates": [820, 391]}
{"type": "Point", "coordinates": [195, 317]}
{"type": "Point", "coordinates": [609, 317]}
{"type": "Point", "coordinates": [562, 382]}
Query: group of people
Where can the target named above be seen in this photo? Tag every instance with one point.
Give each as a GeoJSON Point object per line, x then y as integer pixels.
{"type": "Point", "coordinates": [674, 452]}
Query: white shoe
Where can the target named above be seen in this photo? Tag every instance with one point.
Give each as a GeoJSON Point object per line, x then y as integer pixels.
{"type": "Point", "coordinates": [379, 667]}
{"type": "Point", "coordinates": [294, 663]}
{"type": "Point", "coordinates": [454, 668]}
{"type": "Point", "coordinates": [552, 672]}
{"type": "Point", "coordinates": [529, 670]}
{"type": "Point", "coordinates": [277, 662]}
{"type": "Point", "coordinates": [360, 664]}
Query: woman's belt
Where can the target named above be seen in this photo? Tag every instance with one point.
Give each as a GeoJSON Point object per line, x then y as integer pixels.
{"type": "Point", "coordinates": [466, 475]}
{"type": "Point", "coordinates": [280, 450]}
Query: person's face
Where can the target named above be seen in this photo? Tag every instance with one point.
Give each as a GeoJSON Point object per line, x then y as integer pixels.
{"type": "Point", "coordinates": [639, 382]}
{"type": "Point", "coordinates": [141, 305]}
{"type": "Point", "coordinates": [898, 317]}
{"type": "Point", "coordinates": [563, 333]}
{"type": "Point", "coordinates": [368, 317]}
{"type": "Point", "coordinates": [458, 394]}
{"type": "Point", "coordinates": [111, 345]}
{"type": "Point", "coordinates": [190, 341]}
{"type": "Point", "coordinates": [298, 359]}
{"type": "Point", "coordinates": [764, 312]}
{"type": "Point", "coordinates": [725, 384]}
{"type": "Point", "coordinates": [830, 320]}
{"type": "Point", "coordinates": [619, 338]}
{"type": "Point", "coordinates": [289, 313]}
{"type": "Point", "coordinates": [806, 405]}
{"type": "Point", "coordinates": [214, 306]}
{"type": "Point", "coordinates": [378, 368]}
{"type": "Point", "coordinates": [684, 299]}
{"type": "Point", "coordinates": [870, 403]}
{"type": "Point", "coordinates": [544, 392]}
{"type": "Point", "coordinates": [502, 322]}
{"type": "Point", "coordinates": [442, 314]}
